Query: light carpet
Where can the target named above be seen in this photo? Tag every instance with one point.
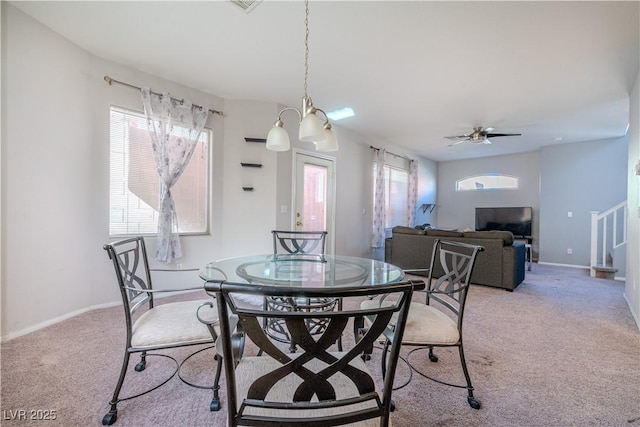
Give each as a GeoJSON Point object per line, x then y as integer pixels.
{"type": "Point", "coordinates": [561, 350]}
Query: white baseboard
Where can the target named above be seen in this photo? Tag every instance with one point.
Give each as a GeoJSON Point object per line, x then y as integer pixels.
{"type": "Point", "coordinates": [55, 320]}
{"type": "Point", "coordinates": [633, 313]}
{"type": "Point", "coordinates": [59, 319]}
{"type": "Point", "coordinates": [586, 267]}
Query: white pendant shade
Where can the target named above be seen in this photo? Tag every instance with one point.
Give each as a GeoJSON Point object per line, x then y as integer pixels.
{"type": "Point", "coordinates": [311, 128]}
{"type": "Point", "coordinates": [278, 139]}
{"type": "Point", "coordinates": [329, 143]}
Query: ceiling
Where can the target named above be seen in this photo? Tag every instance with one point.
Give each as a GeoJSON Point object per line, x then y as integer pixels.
{"type": "Point", "coordinates": [414, 72]}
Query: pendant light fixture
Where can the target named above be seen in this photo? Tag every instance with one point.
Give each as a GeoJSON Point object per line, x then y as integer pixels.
{"type": "Point", "coordinates": [312, 128]}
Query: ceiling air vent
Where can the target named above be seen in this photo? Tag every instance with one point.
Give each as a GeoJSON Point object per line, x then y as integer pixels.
{"type": "Point", "coordinates": [246, 5]}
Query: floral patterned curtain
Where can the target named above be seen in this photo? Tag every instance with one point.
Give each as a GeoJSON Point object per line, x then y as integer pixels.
{"type": "Point", "coordinates": [171, 152]}
{"type": "Point", "coordinates": [413, 193]}
{"type": "Point", "coordinates": [379, 201]}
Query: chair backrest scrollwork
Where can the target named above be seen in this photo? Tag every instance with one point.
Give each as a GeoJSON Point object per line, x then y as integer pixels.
{"type": "Point", "coordinates": [315, 386]}
{"type": "Point", "coordinates": [299, 242]}
{"type": "Point", "coordinates": [131, 266]}
{"type": "Point", "coordinates": [450, 274]}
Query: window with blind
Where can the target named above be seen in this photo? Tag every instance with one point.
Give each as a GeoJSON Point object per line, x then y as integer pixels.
{"type": "Point", "coordinates": [396, 181]}
{"type": "Point", "coordinates": [135, 186]}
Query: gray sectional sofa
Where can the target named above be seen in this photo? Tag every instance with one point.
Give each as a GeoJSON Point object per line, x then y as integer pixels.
{"type": "Point", "coordinates": [501, 264]}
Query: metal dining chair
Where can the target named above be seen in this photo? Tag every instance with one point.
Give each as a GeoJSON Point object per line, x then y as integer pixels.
{"type": "Point", "coordinates": [438, 321]}
{"type": "Point", "coordinates": [317, 386]}
{"type": "Point", "coordinates": [299, 242]}
{"type": "Point", "coordinates": [310, 244]}
{"type": "Point", "coordinates": [151, 326]}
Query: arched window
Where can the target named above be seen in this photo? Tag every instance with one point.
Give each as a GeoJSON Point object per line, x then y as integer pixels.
{"type": "Point", "coordinates": [487, 181]}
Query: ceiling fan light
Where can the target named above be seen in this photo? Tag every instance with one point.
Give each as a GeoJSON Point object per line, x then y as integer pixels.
{"type": "Point", "coordinates": [278, 138]}
{"type": "Point", "coordinates": [311, 128]}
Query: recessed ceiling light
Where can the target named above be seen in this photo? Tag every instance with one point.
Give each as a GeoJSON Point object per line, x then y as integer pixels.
{"type": "Point", "coordinates": [558, 138]}
{"type": "Point", "coordinates": [340, 114]}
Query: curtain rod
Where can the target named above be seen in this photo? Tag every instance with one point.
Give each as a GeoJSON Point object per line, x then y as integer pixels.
{"type": "Point", "coordinates": [109, 80]}
{"type": "Point", "coordinates": [393, 154]}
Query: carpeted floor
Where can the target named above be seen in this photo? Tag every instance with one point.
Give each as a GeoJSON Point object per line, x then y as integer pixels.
{"type": "Point", "coordinates": [561, 350]}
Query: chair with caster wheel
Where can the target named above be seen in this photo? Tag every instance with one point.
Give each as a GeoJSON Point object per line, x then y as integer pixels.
{"type": "Point", "coordinates": [438, 321]}
{"type": "Point", "coordinates": [315, 386]}
{"type": "Point", "coordinates": [151, 326]}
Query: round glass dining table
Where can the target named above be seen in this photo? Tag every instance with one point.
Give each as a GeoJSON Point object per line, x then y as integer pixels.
{"type": "Point", "coordinates": [303, 271]}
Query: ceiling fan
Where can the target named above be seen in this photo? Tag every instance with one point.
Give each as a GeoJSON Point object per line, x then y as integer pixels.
{"type": "Point", "coordinates": [479, 135]}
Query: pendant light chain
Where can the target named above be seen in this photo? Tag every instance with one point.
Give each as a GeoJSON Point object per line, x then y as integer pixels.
{"type": "Point", "coordinates": [306, 46]}
{"type": "Point", "coordinates": [313, 128]}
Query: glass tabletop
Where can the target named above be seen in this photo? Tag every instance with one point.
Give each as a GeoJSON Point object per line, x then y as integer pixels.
{"type": "Point", "coordinates": [303, 271]}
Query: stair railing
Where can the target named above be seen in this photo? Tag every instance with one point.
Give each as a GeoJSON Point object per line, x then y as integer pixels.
{"type": "Point", "coordinates": [606, 234]}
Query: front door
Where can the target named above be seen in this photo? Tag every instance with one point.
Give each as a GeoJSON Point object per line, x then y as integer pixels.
{"type": "Point", "coordinates": [314, 195]}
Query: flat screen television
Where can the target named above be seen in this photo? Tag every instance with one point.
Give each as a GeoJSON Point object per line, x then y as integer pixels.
{"type": "Point", "coordinates": [514, 219]}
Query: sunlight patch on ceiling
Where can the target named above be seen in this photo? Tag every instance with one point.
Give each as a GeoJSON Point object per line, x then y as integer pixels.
{"type": "Point", "coordinates": [340, 114]}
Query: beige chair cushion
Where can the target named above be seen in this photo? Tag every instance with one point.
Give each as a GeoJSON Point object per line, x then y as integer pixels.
{"type": "Point", "coordinates": [251, 368]}
{"type": "Point", "coordinates": [425, 324]}
{"type": "Point", "coordinates": [428, 325]}
{"type": "Point", "coordinates": [172, 324]}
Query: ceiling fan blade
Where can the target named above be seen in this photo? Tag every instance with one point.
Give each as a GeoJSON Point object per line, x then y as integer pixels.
{"type": "Point", "coordinates": [456, 143]}
{"type": "Point", "coordinates": [488, 129]}
{"type": "Point", "coordinates": [458, 137]}
{"type": "Point", "coordinates": [486, 142]}
{"type": "Point", "coordinates": [491, 135]}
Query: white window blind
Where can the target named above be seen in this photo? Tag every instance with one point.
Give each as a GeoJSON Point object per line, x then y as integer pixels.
{"type": "Point", "coordinates": [397, 181]}
{"type": "Point", "coordinates": [135, 185]}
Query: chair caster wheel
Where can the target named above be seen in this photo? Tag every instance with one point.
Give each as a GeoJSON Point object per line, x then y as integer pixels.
{"type": "Point", "coordinates": [392, 406]}
{"type": "Point", "coordinates": [475, 403]}
{"type": "Point", "coordinates": [140, 366]}
{"type": "Point", "coordinates": [110, 418]}
{"type": "Point", "coordinates": [433, 358]}
{"type": "Point", "coordinates": [215, 405]}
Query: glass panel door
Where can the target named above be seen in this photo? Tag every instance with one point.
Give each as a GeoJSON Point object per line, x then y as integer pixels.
{"type": "Point", "coordinates": [314, 195]}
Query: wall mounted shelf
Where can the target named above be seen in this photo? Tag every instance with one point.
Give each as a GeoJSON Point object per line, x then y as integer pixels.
{"type": "Point", "coordinates": [260, 140]}
{"type": "Point", "coordinates": [251, 165]}
{"type": "Point", "coordinates": [428, 207]}
{"type": "Point", "coordinates": [247, 188]}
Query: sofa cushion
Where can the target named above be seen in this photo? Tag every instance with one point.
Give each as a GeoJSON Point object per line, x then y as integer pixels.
{"type": "Point", "coordinates": [443, 233]}
{"type": "Point", "coordinates": [506, 236]}
{"type": "Point", "coordinates": [407, 230]}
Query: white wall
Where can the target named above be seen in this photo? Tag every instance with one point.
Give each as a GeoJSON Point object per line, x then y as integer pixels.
{"type": "Point", "coordinates": [47, 157]}
{"type": "Point", "coordinates": [55, 163]}
{"type": "Point", "coordinates": [578, 178]}
{"type": "Point", "coordinates": [632, 285]}
{"type": "Point", "coordinates": [457, 209]}
{"type": "Point", "coordinates": [247, 216]}
{"type": "Point", "coordinates": [427, 190]}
